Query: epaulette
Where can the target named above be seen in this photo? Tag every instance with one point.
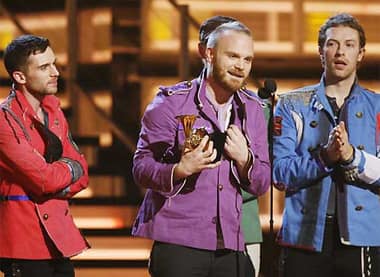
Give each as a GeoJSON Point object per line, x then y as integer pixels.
{"type": "Point", "coordinates": [251, 95]}
{"type": "Point", "coordinates": [180, 88]}
{"type": "Point", "coordinates": [303, 95]}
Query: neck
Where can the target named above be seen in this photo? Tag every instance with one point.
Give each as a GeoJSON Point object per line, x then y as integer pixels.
{"type": "Point", "coordinates": [33, 100]}
{"type": "Point", "coordinates": [219, 95]}
{"type": "Point", "coordinates": [339, 89]}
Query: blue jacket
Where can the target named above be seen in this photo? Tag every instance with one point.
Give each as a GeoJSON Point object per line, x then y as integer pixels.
{"type": "Point", "coordinates": [302, 122]}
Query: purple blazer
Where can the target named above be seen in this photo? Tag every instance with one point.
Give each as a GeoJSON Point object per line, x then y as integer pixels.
{"type": "Point", "coordinates": [185, 213]}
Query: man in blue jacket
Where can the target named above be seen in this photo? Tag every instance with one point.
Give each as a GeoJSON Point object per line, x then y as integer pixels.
{"type": "Point", "coordinates": [326, 158]}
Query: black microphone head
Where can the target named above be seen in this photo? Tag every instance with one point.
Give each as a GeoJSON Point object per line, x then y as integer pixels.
{"type": "Point", "coordinates": [263, 93]}
{"type": "Point", "coordinates": [270, 85]}
{"type": "Point", "coordinates": [269, 88]}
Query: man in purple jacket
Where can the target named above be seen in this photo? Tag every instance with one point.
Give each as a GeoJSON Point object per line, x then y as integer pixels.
{"type": "Point", "coordinates": [192, 206]}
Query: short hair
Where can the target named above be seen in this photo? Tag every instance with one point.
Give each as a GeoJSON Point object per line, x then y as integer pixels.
{"type": "Point", "coordinates": [341, 19]}
{"type": "Point", "coordinates": [210, 24]}
{"type": "Point", "coordinates": [229, 26]}
{"type": "Point", "coordinates": [17, 52]}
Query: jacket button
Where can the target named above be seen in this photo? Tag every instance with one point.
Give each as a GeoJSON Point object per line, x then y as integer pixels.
{"type": "Point", "coordinates": [313, 124]}
{"type": "Point", "coordinates": [303, 211]}
{"type": "Point", "coordinates": [310, 149]}
{"type": "Point", "coordinates": [220, 187]}
{"type": "Point", "coordinates": [358, 208]}
{"type": "Point", "coordinates": [361, 147]}
{"type": "Point", "coordinates": [188, 84]}
{"type": "Point", "coordinates": [359, 114]}
{"type": "Point", "coordinates": [46, 216]}
{"type": "Point", "coordinates": [214, 220]}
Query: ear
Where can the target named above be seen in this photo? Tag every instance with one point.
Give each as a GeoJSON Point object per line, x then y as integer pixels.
{"type": "Point", "coordinates": [201, 50]}
{"type": "Point", "coordinates": [19, 77]}
{"type": "Point", "coordinates": [321, 56]}
{"type": "Point", "coordinates": [361, 54]}
{"type": "Point", "coordinates": [209, 54]}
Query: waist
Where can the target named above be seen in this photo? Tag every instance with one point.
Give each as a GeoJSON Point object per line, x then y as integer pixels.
{"type": "Point", "coordinates": [14, 198]}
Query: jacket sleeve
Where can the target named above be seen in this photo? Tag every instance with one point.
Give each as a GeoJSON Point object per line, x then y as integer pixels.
{"type": "Point", "coordinates": [77, 163]}
{"type": "Point", "coordinates": [293, 169]}
{"type": "Point", "coordinates": [154, 160]}
{"type": "Point", "coordinates": [259, 173]}
{"type": "Point", "coordinates": [364, 168]}
{"type": "Point", "coordinates": [23, 164]}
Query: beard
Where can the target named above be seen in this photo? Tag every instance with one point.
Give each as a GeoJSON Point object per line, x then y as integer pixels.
{"type": "Point", "coordinates": [227, 81]}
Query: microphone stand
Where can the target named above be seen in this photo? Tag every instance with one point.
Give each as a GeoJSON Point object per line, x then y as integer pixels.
{"type": "Point", "coordinates": [274, 271]}
{"type": "Point", "coordinates": [270, 142]}
{"type": "Point", "coordinates": [269, 94]}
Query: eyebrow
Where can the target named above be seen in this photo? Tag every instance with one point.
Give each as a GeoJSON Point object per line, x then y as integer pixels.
{"type": "Point", "coordinates": [48, 63]}
{"type": "Point", "coordinates": [333, 39]}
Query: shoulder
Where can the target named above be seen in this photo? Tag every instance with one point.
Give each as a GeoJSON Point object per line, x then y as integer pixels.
{"type": "Point", "coordinates": [370, 92]}
{"type": "Point", "coordinates": [301, 95]}
{"type": "Point", "coordinates": [251, 96]}
{"type": "Point", "coordinates": [169, 99]}
{"type": "Point", "coordinates": [181, 88]}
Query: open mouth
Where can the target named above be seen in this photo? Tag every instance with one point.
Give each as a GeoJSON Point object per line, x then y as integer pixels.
{"type": "Point", "coordinates": [340, 63]}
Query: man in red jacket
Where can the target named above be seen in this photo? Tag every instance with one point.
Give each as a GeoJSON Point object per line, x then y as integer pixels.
{"type": "Point", "coordinates": [40, 168]}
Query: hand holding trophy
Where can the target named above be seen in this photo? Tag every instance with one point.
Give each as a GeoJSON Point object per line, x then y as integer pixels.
{"type": "Point", "coordinates": [194, 160]}
{"type": "Point", "coordinates": [193, 136]}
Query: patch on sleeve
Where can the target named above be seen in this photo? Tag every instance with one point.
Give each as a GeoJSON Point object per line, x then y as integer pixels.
{"type": "Point", "coordinates": [277, 126]}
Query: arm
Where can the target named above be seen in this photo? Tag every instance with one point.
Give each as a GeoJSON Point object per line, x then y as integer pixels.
{"type": "Point", "coordinates": [77, 163]}
{"type": "Point", "coordinates": [251, 159]}
{"type": "Point", "coordinates": [158, 161]}
{"type": "Point", "coordinates": [293, 169]}
{"type": "Point", "coordinates": [156, 156]}
{"type": "Point", "coordinates": [357, 165]}
{"type": "Point", "coordinates": [23, 164]}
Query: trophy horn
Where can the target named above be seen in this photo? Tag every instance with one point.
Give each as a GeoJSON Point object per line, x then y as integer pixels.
{"type": "Point", "coordinates": [193, 137]}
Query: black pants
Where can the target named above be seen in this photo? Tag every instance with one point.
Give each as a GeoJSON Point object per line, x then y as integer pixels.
{"type": "Point", "coordinates": [170, 260]}
{"type": "Point", "coordinates": [37, 268]}
{"type": "Point", "coordinates": [335, 259]}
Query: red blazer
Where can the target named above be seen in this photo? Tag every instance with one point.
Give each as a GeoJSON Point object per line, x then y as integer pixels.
{"type": "Point", "coordinates": [40, 227]}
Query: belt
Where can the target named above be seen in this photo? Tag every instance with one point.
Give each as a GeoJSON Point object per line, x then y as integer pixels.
{"type": "Point", "coordinates": [14, 198]}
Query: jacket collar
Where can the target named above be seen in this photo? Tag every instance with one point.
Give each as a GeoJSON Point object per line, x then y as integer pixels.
{"type": "Point", "coordinates": [321, 102]}
{"type": "Point", "coordinates": [16, 100]}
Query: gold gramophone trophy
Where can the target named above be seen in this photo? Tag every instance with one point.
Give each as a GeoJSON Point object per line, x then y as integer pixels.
{"type": "Point", "coordinates": [193, 136]}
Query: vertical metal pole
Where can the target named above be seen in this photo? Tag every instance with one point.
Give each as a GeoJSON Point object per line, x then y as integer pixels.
{"type": "Point", "coordinates": [184, 43]}
{"type": "Point", "coordinates": [72, 62]}
{"type": "Point", "coordinates": [298, 26]}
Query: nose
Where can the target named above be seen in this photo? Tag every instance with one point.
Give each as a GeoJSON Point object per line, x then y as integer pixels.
{"type": "Point", "coordinates": [239, 64]}
{"type": "Point", "coordinates": [54, 71]}
{"type": "Point", "coordinates": [340, 50]}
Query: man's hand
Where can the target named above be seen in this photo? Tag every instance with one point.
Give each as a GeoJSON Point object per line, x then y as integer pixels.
{"type": "Point", "coordinates": [236, 146]}
{"type": "Point", "coordinates": [195, 161]}
{"type": "Point", "coordinates": [338, 148]}
{"type": "Point", "coordinates": [345, 149]}
{"type": "Point", "coordinates": [330, 152]}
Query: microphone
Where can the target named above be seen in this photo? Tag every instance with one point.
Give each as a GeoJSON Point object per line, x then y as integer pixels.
{"type": "Point", "coordinates": [269, 88]}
